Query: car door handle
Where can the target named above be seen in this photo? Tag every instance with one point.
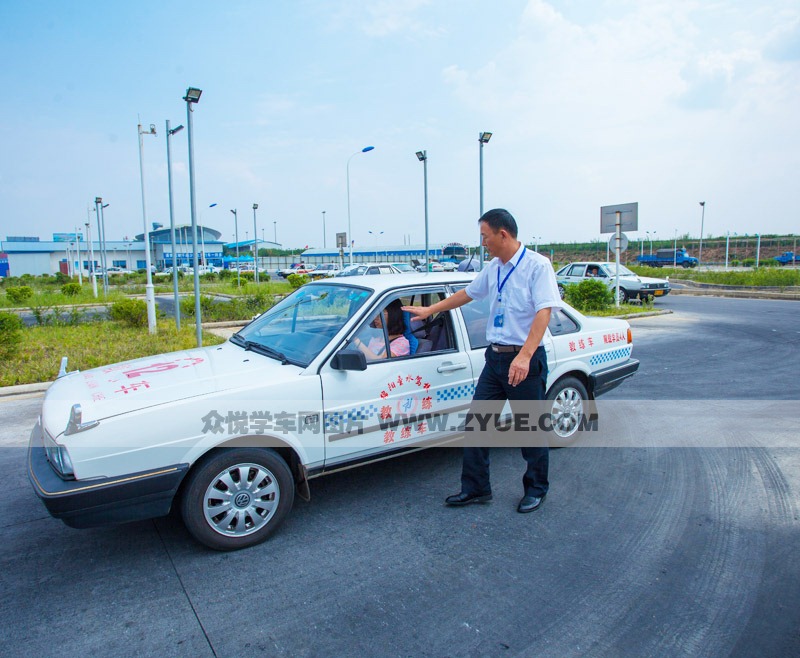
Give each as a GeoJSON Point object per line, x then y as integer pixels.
{"type": "Point", "coordinates": [451, 367]}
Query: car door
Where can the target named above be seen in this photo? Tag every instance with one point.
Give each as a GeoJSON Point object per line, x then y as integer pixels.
{"type": "Point", "coordinates": [398, 401]}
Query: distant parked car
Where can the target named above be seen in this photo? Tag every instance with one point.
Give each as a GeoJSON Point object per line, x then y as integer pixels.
{"type": "Point", "coordinates": [403, 267]}
{"type": "Point", "coordinates": [359, 269]}
{"type": "Point", "coordinates": [296, 268]}
{"type": "Point", "coordinates": [631, 285]}
{"type": "Point", "coordinates": [324, 270]}
{"type": "Point", "coordinates": [433, 266]}
{"type": "Point", "coordinates": [116, 270]}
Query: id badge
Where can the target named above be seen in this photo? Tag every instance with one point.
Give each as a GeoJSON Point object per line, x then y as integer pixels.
{"type": "Point", "coordinates": [498, 319]}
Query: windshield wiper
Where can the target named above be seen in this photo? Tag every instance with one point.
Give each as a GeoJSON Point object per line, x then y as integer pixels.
{"type": "Point", "coordinates": [236, 339]}
{"type": "Point", "coordinates": [258, 348]}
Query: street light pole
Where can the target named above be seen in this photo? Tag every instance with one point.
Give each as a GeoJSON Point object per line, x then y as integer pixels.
{"type": "Point", "coordinates": [236, 238]}
{"type": "Point", "coordinates": [101, 230]}
{"type": "Point", "coordinates": [255, 243]}
{"type": "Point", "coordinates": [727, 244]}
{"type": "Point", "coordinates": [758, 248]}
{"type": "Point", "coordinates": [376, 242]}
{"type": "Point", "coordinates": [366, 149]}
{"type": "Point", "coordinates": [78, 247]}
{"type": "Point", "coordinates": [149, 291]}
{"type": "Point", "coordinates": [675, 250]}
{"type": "Point", "coordinates": [702, 222]}
{"type": "Point", "coordinates": [422, 156]}
{"type": "Point", "coordinates": [324, 243]}
{"type": "Point", "coordinates": [275, 229]}
{"type": "Point", "coordinates": [91, 256]}
{"type": "Point", "coordinates": [170, 132]}
{"type": "Point", "coordinates": [483, 138]}
{"type": "Point", "coordinates": [192, 98]}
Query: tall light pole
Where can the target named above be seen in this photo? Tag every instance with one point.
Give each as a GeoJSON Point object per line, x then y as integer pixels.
{"type": "Point", "coordinates": [483, 138]}
{"type": "Point", "coordinates": [366, 149]}
{"type": "Point", "coordinates": [376, 234]}
{"type": "Point", "coordinates": [170, 132]}
{"type": "Point", "coordinates": [422, 156]}
{"type": "Point", "coordinates": [758, 248]}
{"type": "Point", "coordinates": [91, 255]}
{"type": "Point", "coordinates": [149, 292]}
{"type": "Point", "coordinates": [536, 243]}
{"type": "Point", "coordinates": [675, 250]}
{"type": "Point", "coordinates": [324, 243]}
{"type": "Point", "coordinates": [275, 231]}
{"type": "Point", "coordinates": [255, 243]}
{"type": "Point", "coordinates": [192, 98]}
{"type": "Point", "coordinates": [649, 237]}
{"type": "Point", "coordinates": [236, 238]}
{"type": "Point", "coordinates": [702, 221]}
{"type": "Point", "coordinates": [80, 266]}
{"type": "Point", "coordinates": [101, 233]}
{"type": "Point", "coordinates": [727, 244]}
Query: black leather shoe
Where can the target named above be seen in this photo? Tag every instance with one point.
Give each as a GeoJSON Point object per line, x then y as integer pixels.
{"type": "Point", "coordinates": [530, 504]}
{"type": "Point", "coordinates": [467, 498]}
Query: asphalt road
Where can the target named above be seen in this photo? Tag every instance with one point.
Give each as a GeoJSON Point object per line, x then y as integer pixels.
{"type": "Point", "coordinates": [646, 552]}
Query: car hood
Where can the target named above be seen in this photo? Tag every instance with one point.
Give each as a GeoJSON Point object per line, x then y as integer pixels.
{"type": "Point", "coordinates": [156, 380]}
{"type": "Point", "coordinates": [650, 279]}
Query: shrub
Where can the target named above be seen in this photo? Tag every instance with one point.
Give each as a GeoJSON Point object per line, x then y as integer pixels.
{"type": "Point", "coordinates": [10, 334]}
{"type": "Point", "coordinates": [61, 278]}
{"type": "Point", "coordinates": [132, 312]}
{"type": "Point", "coordinates": [207, 305]}
{"type": "Point", "coordinates": [71, 289]}
{"type": "Point", "coordinates": [297, 280]}
{"type": "Point", "coordinates": [19, 294]}
{"type": "Point", "coordinates": [589, 295]}
{"type": "Point", "coordinates": [227, 274]}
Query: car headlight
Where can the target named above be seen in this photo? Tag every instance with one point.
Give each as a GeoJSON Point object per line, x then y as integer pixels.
{"type": "Point", "coordinates": [59, 458]}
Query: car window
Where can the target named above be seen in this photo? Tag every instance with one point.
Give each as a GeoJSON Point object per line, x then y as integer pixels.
{"type": "Point", "coordinates": [476, 315]}
{"type": "Point", "coordinates": [562, 323]}
{"type": "Point", "coordinates": [433, 335]}
{"type": "Point", "coordinates": [302, 324]}
{"type": "Point", "coordinates": [576, 270]}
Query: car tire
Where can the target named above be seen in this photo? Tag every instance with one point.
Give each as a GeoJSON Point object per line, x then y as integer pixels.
{"type": "Point", "coordinates": [218, 504]}
{"type": "Point", "coordinates": [568, 396]}
{"type": "Point", "coordinates": [686, 266]}
{"type": "Point", "coordinates": [561, 291]}
{"type": "Point", "coordinates": [623, 295]}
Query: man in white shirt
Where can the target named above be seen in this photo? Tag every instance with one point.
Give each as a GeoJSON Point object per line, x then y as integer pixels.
{"type": "Point", "coordinates": [522, 287]}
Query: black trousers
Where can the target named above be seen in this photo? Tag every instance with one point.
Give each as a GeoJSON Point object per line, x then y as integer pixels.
{"type": "Point", "coordinates": [493, 385]}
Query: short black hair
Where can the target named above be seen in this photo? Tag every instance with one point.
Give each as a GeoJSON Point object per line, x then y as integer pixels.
{"type": "Point", "coordinates": [500, 218]}
{"type": "Point", "coordinates": [396, 324]}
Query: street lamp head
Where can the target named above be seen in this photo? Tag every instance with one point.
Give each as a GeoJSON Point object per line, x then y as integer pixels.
{"type": "Point", "coordinates": [233, 211]}
{"type": "Point", "coordinates": [366, 149]}
{"type": "Point", "coordinates": [703, 203]}
{"type": "Point", "coordinates": [176, 129]}
{"type": "Point", "coordinates": [255, 206]}
{"type": "Point", "coordinates": [484, 138]}
{"type": "Point", "coordinates": [98, 199]}
{"type": "Point", "coordinates": [106, 205]}
{"type": "Point", "coordinates": [192, 95]}
{"type": "Point", "coordinates": [422, 156]}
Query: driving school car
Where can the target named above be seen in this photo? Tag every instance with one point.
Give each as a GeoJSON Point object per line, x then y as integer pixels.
{"type": "Point", "coordinates": [229, 434]}
{"type": "Point", "coordinates": [631, 285]}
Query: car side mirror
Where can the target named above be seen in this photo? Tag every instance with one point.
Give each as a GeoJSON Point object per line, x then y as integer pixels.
{"type": "Point", "coordinates": [349, 358]}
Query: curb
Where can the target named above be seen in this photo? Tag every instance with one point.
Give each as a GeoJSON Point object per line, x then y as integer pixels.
{"type": "Point", "coordinates": [741, 294]}
{"type": "Point", "coordinates": [646, 314]}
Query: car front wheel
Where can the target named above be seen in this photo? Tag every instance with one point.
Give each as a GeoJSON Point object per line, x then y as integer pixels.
{"type": "Point", "coordinates": [236, 497]}
{"type": "Point", "coordinates": [568, 396]}
{"type": "Point", "coordinates": [623, 295]}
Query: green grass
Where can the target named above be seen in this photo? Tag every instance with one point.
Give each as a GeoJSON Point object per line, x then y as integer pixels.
{"type": "Point", "coordinates": [624, 309]}
{"type": "Point", "coordinates": [47, 296]}
{"type": "Point", "coordinates": [90, 345]}
{"type": "Point", "coordinates": [763, 276]}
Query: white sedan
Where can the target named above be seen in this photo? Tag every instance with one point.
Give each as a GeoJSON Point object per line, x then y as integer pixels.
{"type": "Point", "coordinates": [230, 433]}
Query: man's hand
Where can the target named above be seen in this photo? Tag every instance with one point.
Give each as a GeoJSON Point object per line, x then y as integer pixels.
{"type": "Point", "coordinates": [518, 370]}
{"type": "Point", "coordinates": [418, 312]}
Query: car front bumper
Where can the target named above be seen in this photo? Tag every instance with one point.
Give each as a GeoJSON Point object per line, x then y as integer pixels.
{"type": "Point", "coordinates": [102, 501]}
{"type": "Point", "coordinates": [609, 378]}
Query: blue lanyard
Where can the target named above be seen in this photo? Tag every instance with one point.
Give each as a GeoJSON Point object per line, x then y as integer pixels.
{"type": "Point", "coordinates": [500, 286]}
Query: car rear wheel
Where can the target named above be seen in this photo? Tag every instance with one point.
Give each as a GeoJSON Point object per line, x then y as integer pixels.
{"type": "Point", "coordinates": [567, 411]}
{"type": "Point", "coordinates": [237, 497]}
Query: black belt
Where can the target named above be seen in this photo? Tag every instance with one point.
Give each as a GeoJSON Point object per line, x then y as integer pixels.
{"type": "Point", "coordinates": [505, 348]}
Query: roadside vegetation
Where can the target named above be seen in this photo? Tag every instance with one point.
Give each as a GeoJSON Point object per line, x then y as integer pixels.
{"type": "Point", "coordinates": [595, 298]}
{"type": "Point", "coordinates": [762, 276]}
{"type": "Point", "coordinates": [37, 353]}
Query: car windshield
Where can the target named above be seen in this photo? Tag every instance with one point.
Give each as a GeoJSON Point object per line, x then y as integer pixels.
{"type": "Point", "coordinates": [623, 271]}
{"type": "Point", "coordinates": [297, 329]}
{"type": "Point", "coordinates": [403, 267]}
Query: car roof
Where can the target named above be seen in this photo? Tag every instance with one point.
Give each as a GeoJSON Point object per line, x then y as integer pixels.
{"type": "Point", "coordinates": [382, 283]}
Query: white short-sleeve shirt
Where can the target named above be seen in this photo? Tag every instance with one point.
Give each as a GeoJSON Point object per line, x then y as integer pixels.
{"type": "Point", "coordinates": [530, 287]}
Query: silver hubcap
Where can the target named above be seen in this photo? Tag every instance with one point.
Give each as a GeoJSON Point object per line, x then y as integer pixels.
{"type": "Point", "coordinates": [241, 500]}
{"type": "Point", "coordinates": [567, 412]}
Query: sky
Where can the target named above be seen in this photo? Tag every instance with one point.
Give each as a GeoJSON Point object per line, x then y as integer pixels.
{"type": "Point", "coordinates": [664, 103]}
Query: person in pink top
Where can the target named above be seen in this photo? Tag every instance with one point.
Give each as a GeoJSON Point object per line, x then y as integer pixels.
{"type": "Point", "coordinates": [392, 317]}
